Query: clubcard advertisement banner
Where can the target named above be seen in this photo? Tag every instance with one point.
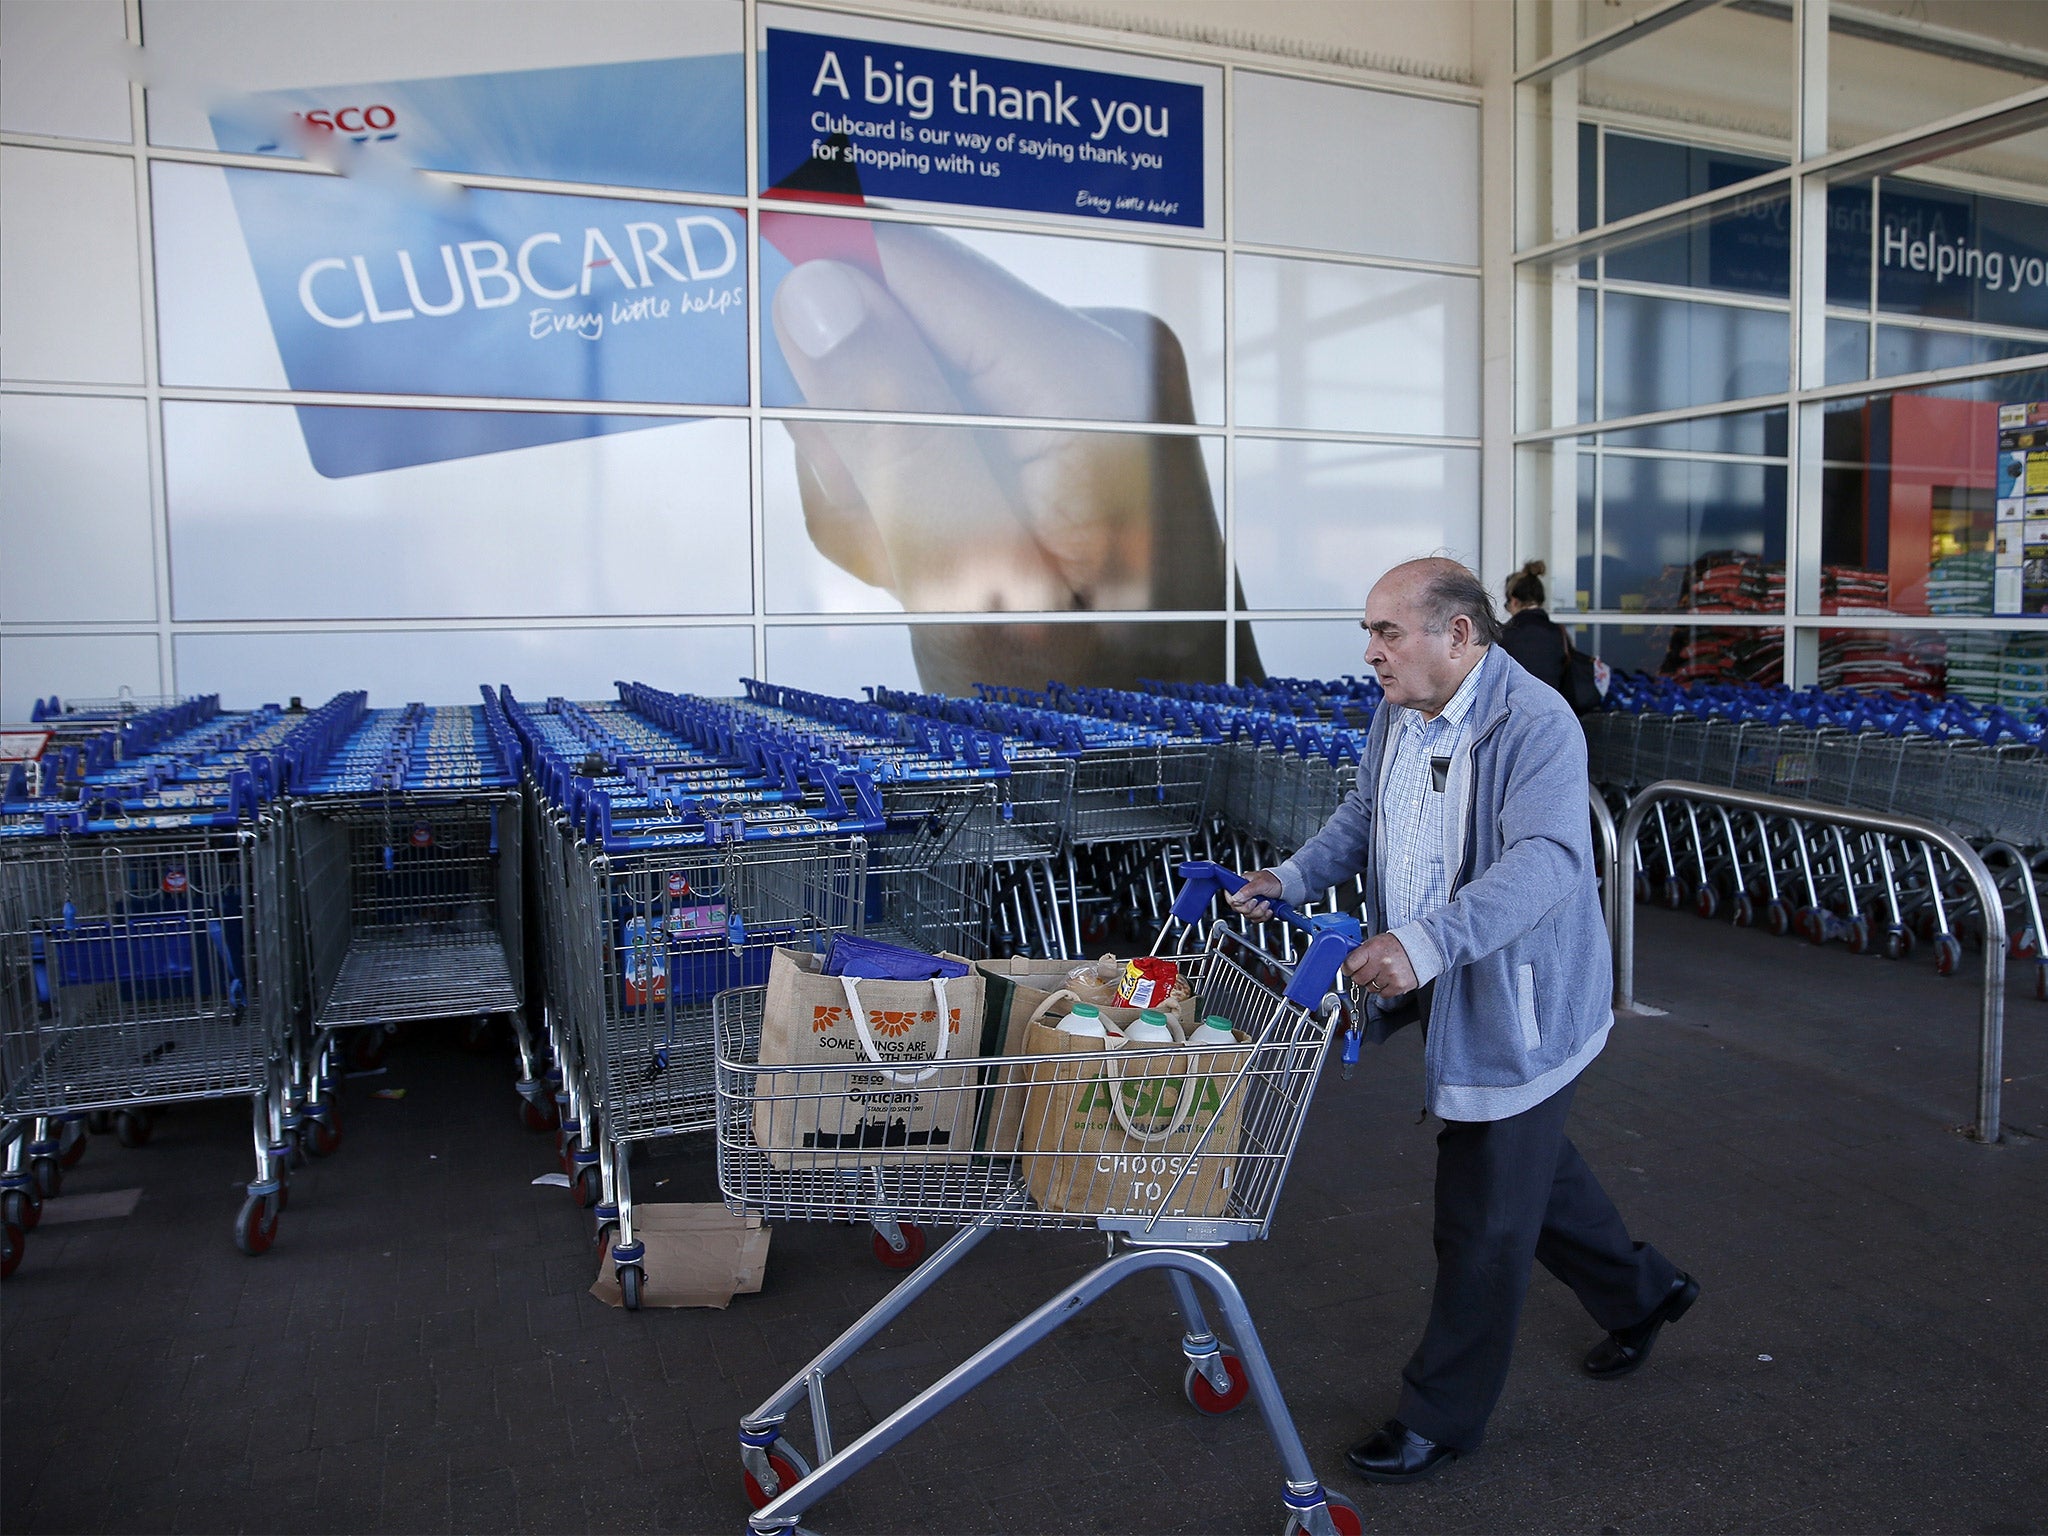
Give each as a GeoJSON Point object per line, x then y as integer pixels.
{"type": "Point", "coordinates": [870, 111]}
{"type": "Point", "coordinates": [627, 93]}
{"type": "Point", "coordinates": [367, 287]}
{"type": "Point", "coordinates": [667, 123]}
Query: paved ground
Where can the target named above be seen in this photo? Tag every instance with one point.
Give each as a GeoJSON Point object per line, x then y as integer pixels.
{"type": "Point", "coordinates": [419, 1351]}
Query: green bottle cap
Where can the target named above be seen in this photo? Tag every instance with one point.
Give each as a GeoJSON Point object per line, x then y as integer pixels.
{"type": "Point", "coordinates": [1086, 1010]}
{"type": "Point", "coordinates": [1152, 1016]}
{"type": "Point", "coordinates": [1217, 1021]}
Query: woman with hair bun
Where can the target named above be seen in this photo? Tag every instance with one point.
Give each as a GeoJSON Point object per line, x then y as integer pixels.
{"type": "Point", "coordinates": [1532, 636]}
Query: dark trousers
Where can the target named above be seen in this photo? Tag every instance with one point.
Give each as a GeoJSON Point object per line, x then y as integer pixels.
{"type": "Point", "coordinates": [1508, 1192]}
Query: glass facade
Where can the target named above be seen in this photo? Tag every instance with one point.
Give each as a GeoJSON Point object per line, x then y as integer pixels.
{"type": "Point", "coordinates": [1783, 327]}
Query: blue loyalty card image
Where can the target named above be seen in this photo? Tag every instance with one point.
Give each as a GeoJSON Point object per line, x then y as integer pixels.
{"type": "Point", "coordinates": [675, 124]}
{"type": "Point", "coordinates": [380, 286]}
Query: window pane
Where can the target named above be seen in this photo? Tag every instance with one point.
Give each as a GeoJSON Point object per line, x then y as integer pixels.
{"type": "Point", "coordinates": [1725, 67]}
{"type": "Point", "coordinates": [1850, 246]}
{"type": "Point", "coordinates": [615, 515]}
{"type": "Point", "coordinates": [900, 317]}
{"type": "Point", "coordinates": [1893, 67]}
{"type": "Point", "coordinates": [880, 516]}
{"type": "Point", "coordinates": [1848, 346]}
{"type": "Point", "coordinates": [1883, 660]}
{"type": "Point", "coordinates": [274, 279]}
{"type": "Point", "coordinates": [1316, 649]}
{"type": "Point", "coordinates": [1936, 502]}
{"type": "Point", "coordinates": [1949, 254]}
{"type": "Point", "coordinates": [1319, 523]}
{"type": "Point", "coordinates": [1759, 432]}
{"type": "Point", "coordinates": [1425, 202]}
{"type": "Point", "coordinates": [951, 658]}
{"type": "Point", "coordinates": [1744, 251]}
{"type": "Point", "coordinates": [1690, 534]}
{"type": "Point", "coordinates": [1689, 653]}
{"type": "Point", "coordinates": [397, 666]}
{"type": "Point", "coordinates": [1356, 349]}
{"type": "Point", "coordinates": [1913, 349]}
{"type": "Point", "coordinates": [1546, 27]}
{"type": "Point", "coordinates": [1666, 354]}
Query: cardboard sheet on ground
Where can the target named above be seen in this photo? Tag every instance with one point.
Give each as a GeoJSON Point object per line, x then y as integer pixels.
{"type": "Point", "coordinates": [697, 1256]}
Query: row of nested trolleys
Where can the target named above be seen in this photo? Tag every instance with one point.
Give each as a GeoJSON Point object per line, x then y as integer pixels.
{"type": "Point", "coordinates": [202, 905]}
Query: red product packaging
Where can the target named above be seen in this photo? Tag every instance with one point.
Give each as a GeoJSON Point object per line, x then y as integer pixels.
{"type": "Point", "coordinates": [1147, 982]}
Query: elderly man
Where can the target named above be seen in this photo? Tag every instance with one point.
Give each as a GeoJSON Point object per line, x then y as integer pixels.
{"type": "Point", "coordinates": [1470, 817]}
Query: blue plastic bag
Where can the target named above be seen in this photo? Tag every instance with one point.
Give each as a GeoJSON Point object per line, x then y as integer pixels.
{"type": "Point", "coordinates": [873, 960]}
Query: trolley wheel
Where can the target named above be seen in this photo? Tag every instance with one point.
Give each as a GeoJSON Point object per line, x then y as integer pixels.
{"type": "Point", "coordinates": [1860, 935]}
{"type": "Point", "coordinates": [1706, 901]}
{"type": "Point", "coordinates": [1813, 924]}
{"type": "Point", "coordinates": [71, 1143]}
{"type": "Point", "coordinates": [477, 1034]}
{"type": "Point", "coordinates": [1199, 1391]}
{"type": "Point", "coordinates": [2041, 980]}
{"type": "Point", "coordinates": [537, 1118]}
{"type": "Point", "coordinates": [1778, 917]}
{"type": "Point", "coordinates": [132, 1129]}
{"type": "Point", "coordinates": [256, 1224]}
{"type": "Point", "coordinates": [1898, 942]}
{"type": "Point", "coordinates": [100, 1121]}
{"type": "Point", "coordinates": [587, 1186]}
{"type": "Point", "coordinates": [1642, 886]}
{"type": "Point", "coordinates": [1673, 893]}
{"type": "Point", "coordinates": [630, 1277]}
{"type": "Point", "coordinates": [2020, 946]}
{"type": "Point", "coordinates": [789, 1469]}
{"type": "Point", "coordinates": [563, 1151]}
{"type": "Point", "coordinates": [22, 1207]}
{"type": "Point", "coordinates": [1924, 925]}
{"type": "Point", "coordinates": [913, 1248]}
{"type": "Point", "coordinates": [1344, 1516]}
{"type": "Point", "coordinates": [322, 1134]}
{"type": "Point", "coordinates": [48, 1176]}
{"type": "Point", "coordinates": [1948, 956]}
{"type": "Point", "coordinates": [1743, 914]}
{"type": "Point", "coordinates": [13, 1243]}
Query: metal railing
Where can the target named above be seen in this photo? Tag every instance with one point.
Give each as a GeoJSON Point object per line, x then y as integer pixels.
{"type": "Point", "coordinates": [1991, 1036]}
{"type": "Point", "coordinates": [1606, 840]}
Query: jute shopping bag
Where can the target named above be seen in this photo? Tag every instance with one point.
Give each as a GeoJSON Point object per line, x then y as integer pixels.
{"type": "Point", "coordinates": [908, 1106]}
{"type": "Point", "coordinates": [1021, 992]}
{"type": "Point", "coordinates": [1115, 1130]}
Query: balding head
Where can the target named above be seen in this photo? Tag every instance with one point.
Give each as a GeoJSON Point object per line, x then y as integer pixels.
{"type": "Point", "coordinates": [1430, 622]}
{"type": "Point", "coordinates": [1441, 590]}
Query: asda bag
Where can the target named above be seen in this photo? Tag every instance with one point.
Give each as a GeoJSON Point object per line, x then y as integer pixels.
{"type": "Point", "coordinates": [901, 1104]}
{"type": "Point", "coordinates": [1021, 992]}
{"type": "Point", "coordinates": [1130, 1130]}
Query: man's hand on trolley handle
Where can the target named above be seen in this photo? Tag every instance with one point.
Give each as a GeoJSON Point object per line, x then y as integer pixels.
{"type": "Point", "coordinates": [1380, 965]}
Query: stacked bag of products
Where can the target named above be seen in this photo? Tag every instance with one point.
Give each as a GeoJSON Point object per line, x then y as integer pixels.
{"type": "Point", "coordinates": [1134, 1110]}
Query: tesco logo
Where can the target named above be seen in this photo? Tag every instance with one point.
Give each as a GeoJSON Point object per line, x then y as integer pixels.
{"type": "Point", "coordinates": [360, 123]}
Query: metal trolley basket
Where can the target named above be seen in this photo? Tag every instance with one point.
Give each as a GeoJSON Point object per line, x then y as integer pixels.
{"type": "Point", "coordinates": [138, 968]}
{"type": "Point", "coordinates": [1261, 1086]}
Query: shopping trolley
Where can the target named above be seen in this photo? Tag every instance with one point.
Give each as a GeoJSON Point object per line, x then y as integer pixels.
{"type": "Point", "coordinates": [652, 902]}
{"type": "Point", "coordinates": [1284, 1018]}
{"type": "Point", "coordinates": [137, 970]}
{"type": "Point", "coordinates": [657, 935]}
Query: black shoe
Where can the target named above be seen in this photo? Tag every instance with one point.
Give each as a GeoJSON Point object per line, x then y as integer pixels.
{"type": "Point", "coordinates": [1619, 1353]}
{"type": "Point", "coordinates": [1394, 1453]}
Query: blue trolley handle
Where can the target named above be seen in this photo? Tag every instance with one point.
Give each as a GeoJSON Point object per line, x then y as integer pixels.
{"type": "Point", "coordinates": [1202, 882]}
{"type": "Point", "coordinates": [1332, 935]}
